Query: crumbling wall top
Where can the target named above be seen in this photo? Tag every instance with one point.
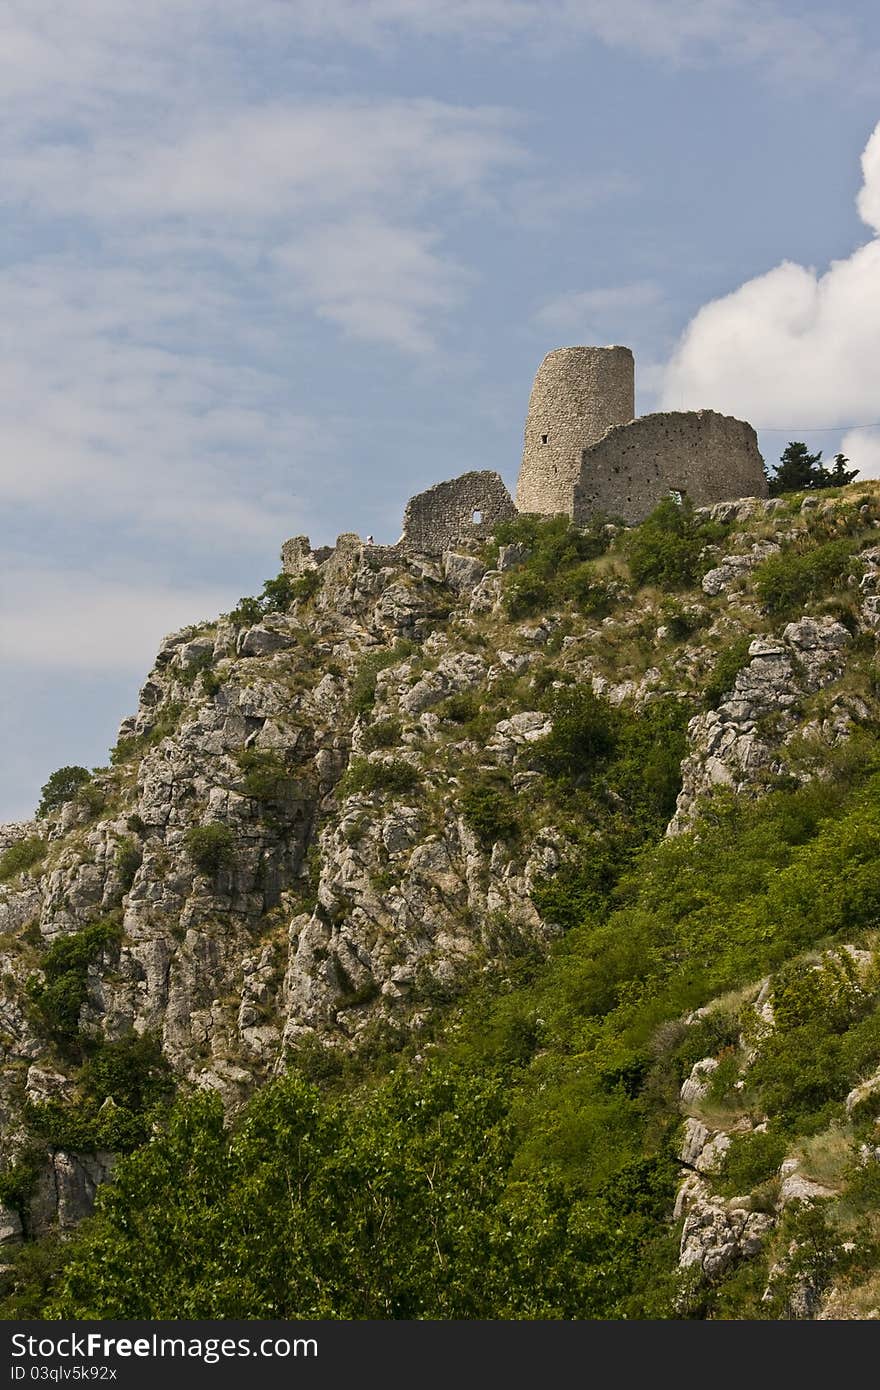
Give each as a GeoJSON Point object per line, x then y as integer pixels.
{"type": "Point", "coordinates": [464, 508]}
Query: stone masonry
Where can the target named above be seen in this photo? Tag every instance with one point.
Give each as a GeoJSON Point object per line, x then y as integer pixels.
{"type": "Point", "coordinates": [710, 457]}
{"type": "Point", "coordinates": [468, 507]}
{"type": "Point", "coordinates": [583, 454]}
{"type": "Point", "coordinates": [578, 393]}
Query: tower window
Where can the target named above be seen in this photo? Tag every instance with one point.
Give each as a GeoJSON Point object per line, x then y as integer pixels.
{"type": "Point", "coordinates": [545, 438]}
{"type": "Point", "coordinates": [477, 518]}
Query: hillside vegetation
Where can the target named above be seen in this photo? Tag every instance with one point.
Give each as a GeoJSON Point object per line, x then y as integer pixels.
{"type": "Point", "coordinates": [487, 937]}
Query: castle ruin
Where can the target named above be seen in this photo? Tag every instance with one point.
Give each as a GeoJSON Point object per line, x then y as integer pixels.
{"type": "Point", "coordinates": [584, 452]}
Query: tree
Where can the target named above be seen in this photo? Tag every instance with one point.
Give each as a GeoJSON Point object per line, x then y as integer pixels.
{"type": "Point", "coordinates": [62, 786]}
{"type": "Point", "coordinates": [800, 471]}
{"type": "Point", "coordinates": [839, 475]}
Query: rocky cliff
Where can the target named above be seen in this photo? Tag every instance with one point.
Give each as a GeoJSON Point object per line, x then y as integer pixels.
{"type": "Point", "coordinates": [336, 810]}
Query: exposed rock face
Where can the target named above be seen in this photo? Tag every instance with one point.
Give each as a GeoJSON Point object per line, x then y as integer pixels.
{"type": "Point", "coordinates": [736, 745]}
{"type": "Point", "coordinates": [281, 846]}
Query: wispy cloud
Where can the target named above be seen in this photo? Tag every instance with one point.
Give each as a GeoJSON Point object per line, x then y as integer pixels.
{"type": "Point", "coordinates": [41, 620]}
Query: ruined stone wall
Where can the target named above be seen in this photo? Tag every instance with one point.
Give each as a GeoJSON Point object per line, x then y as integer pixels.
{"type": "Point", "coordinates": [464, 508]}
{"type": "Point", "coordinates": [578, 393]}
{"type": "Point", "coordinates": [709, 456]}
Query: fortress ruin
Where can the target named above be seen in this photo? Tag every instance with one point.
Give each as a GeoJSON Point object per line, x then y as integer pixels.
{"type": "Point", "coordinates": [584, 452]}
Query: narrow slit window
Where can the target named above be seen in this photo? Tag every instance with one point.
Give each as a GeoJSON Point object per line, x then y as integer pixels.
{"type": "Point", "coordinates": [545, 439]}
{"type": "Point", "coordinates": [477, 518]}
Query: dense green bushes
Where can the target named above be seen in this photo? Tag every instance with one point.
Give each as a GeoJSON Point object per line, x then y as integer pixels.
{"type": "Point", "coordinates": [555, 568]}
{"type": "Point", "coordinates": [276, 597]}
{"type": "Point", "coordinates": [394, 776]}
{"type": "Point", "coordinates": [211, 847]}
{"type": "Point", "coordinates": [382, 733]}
{"type": "Point", "coordinates": [363, 688]}
{"type": "Point", "coordinates": [728, 664]}
{"type": "Point", "coordinates": [666, 549]}
{"type": "Point", "coordinates": [24, 854]}
{"type": "Point", "coordinates": [57, 999]}
{"type": "Point", "coordinates": [490, 808]}
{"type": "Point", "coordinates": [62, 786]}
{"type": "Point", "coordinates": [266, 776]}
{"type": "Point", "coordinates": [787, 581]}
{"type": "Point", "coordinates": [119, 1087]}
{"type": "Point", "coordinates": [400, 1208]}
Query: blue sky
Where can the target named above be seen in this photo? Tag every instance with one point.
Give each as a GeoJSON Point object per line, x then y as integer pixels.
{"type": "Point", "coordinates": [270, 266]}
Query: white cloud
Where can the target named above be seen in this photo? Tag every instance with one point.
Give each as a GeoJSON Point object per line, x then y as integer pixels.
{"type": "Point", "coordinates": [335, 194]}
{"type": "Point", "coordinates": [57, 56]}
{"type": "Point", "coordinates": [68, 621]}
{"type": "Point", "coordinates": [377, 281]}
{"type": "Point", "coordinates": [862, 448]}
{"type": "Point", "coordinates": [105, 416]}
{"type": "Point", "coordinates": [793, 347]}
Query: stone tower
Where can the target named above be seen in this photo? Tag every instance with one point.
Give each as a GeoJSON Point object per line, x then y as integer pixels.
{"type": "Point", "coordinates": [578, 393]}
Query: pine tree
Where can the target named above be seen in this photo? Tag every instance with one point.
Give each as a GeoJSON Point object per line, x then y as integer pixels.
{"type": "Point", "coordinates": [839, 475]}
{"type": "Point", "coordinates": [800, 471]}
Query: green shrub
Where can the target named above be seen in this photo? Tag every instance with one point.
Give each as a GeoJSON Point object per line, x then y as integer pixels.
{"type": "Point", "coordinates": [527, 596]}
{"type": "Point", "coordinates": [728, 664]}
{"type": "Point", "coordinates": [490, 808]}
{"type": "Point", "coordinates": [384, 733]}
{"type": "Point", "coordinates": [394, 776]}
{"type": "Point", "coordinates": [92, 798]}
{"type": "Point", "coordinates": [277, 596]}
{"type": "Point", "coordinates": [129, 856]}
{"type": "Point", "coordinates": [17, 1181]}
{"type": "Point", "coordinates": [120, 1086]}
{"type": "Point", "coordinates": [581, 887]}
{"type": "Point", "coordinates": [189, 674]}
{"type": "Point", "coordinates": [266, 776]}
{"type": "Point", "coordinates": [666, 548]}
{"type": "Point", "coordinates": [461, 707]}
{"type": "Point", "coordinates": [681, 622]}
{"type": "Point", "coordinates": [211, 847]}
{"type": "Point", "coordinates": [751, 1160]}
{"type": "Point", "coordinates": [554, 543]}
{"type": "Point", "coordinates": [556, 568]}
{"type": "Point", "coordinates": [582, 738]}
{"type": "Point", "coordinates": [57, 999]}
{"type": "Point", "coordinates": [62, 786]}
{"type": "Point", "coordinates": [127, 749]}
{"type": "Point", "coordinates": [589, 594]}
{"type": "Point", "coordinates": [363, 687]}
{"type": "Point", "coordinates": [307, 585]}
{"type": "Point", "coordinates": [24, 854]}
{"type": "Point", "coordinates": [246, 613]}
{"type": "Point", "coordinates": [787, 581]}
{"type": "Point", "coordinates": [132, 1071]}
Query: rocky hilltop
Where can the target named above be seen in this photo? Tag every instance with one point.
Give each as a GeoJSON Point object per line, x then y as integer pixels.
{"type": "Point", "coordinates": [349, 805]}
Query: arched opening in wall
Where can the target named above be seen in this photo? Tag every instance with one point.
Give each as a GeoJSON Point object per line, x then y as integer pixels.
{"type": "Point", "coordinates": [477, 518]}
{"type": "Point", "coordinates": [677, 496]}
